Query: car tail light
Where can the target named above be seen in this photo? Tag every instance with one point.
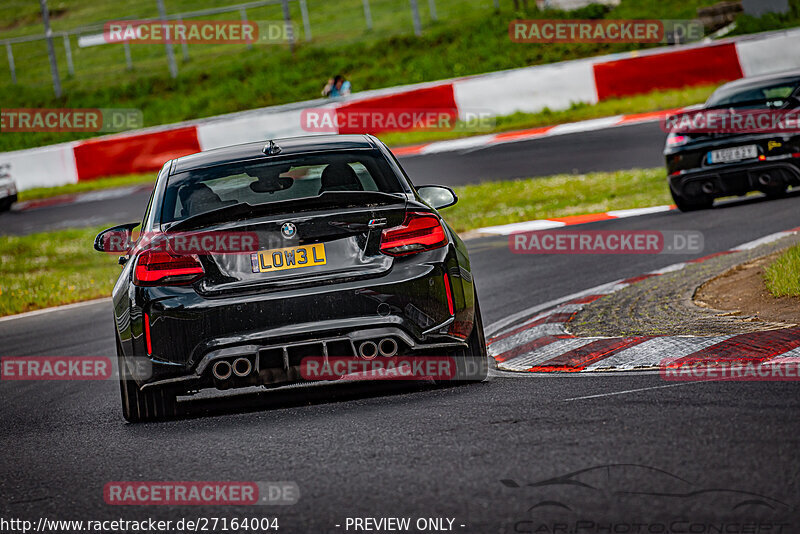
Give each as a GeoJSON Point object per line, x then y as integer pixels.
{"type": "Point", "coordinates": [160, 267]}
{"type": "Point", "coordinates": [674, 139]}
{"type": "Point", "coordinates": [796, 155]}
{"type": "Point", "coordinates": [419, 231]}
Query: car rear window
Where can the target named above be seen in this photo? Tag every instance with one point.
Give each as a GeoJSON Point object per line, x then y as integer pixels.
{"type": "Point", "coordinates": [771, 94]}
{"type": "Point", "coordinates": [257, 182]}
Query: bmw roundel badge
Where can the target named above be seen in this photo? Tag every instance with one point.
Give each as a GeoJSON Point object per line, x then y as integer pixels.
{"type": "Point", "coordinates": [289, 230]}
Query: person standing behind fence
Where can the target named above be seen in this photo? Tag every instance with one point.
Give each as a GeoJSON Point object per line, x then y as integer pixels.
{"type": "Point", "coordinates": [336, 86]}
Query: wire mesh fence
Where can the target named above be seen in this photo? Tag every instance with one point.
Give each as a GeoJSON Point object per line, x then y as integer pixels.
{"type": "Point", "coordinates": [82, 52]}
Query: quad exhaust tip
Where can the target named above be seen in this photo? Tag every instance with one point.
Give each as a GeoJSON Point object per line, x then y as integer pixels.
{"type": "Point", "coordinates": [221, 370]}
{"type": "Point", "coordinates": [242, 367]}
{"type": "Point", "coordinates": [386, 347]}
{"type": "Point", "coordinates": [368, 350]}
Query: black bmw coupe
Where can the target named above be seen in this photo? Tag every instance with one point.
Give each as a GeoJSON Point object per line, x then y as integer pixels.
{"type": "Point", "coordinates": [251, 259]}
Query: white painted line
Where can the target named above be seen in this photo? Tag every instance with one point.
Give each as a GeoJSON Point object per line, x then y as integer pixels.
{"type": "Point", "coordinates": [547, 224]}
{"type": "Point", "coordinates": [669, 268]}
{"type": "Point", "coordinates": [526, 226]}
{"type": "Point", "coordinates": [631, 391]}
{"type": "Point", "coordinates": [54, 309]}
{"type": "Point", "coordinates": [762, 241]}
{"type": "Point", "coordinates": [635, 212]}
{"type": "Point", "coordinates": [457, 144]}
{"type": "Point", "coordinates": [586, 126]}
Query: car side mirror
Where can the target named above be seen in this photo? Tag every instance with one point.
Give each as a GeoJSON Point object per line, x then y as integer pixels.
{"type": "Point", "coordinates": [116, 240]}
{"type": "Point", "coordinates": [438, 196]}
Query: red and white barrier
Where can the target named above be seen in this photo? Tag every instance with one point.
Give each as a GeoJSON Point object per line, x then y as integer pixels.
{"type": "Point", "coordinates": [530, 89]}
{"type": "Point", "coordinates": [687, 67]}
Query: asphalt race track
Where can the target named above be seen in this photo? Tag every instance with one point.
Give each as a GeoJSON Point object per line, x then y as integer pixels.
{"type": "Point", "coordinates": [466, 452]}
{"type": "Point", "coordinates": [625, 147]}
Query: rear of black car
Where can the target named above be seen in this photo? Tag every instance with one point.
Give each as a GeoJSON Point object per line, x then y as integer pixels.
{"type": "Point", "coordinates": [705, 164]}
{"type": "Point", "coordinates": [344, 259]}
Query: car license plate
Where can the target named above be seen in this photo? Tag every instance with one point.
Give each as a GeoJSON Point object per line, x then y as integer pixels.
{"type": "Point", "coordinates": [280, 259]}
{"type": "Point", "coordinates": [737, 153]}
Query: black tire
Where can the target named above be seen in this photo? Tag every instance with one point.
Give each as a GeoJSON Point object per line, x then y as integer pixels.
{"type": "Point", "coordinates": [152, 404]}
{"type": "Point", "coordinates": [692, 204]}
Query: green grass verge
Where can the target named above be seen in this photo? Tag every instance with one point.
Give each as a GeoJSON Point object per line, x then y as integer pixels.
{"type": "Point", "coordinates": [53, 268]}
{"type": "Point", "coordinates": [746, 24]}
{"type": "Point", "coordinates": [470, 37]}
{"type": "Point", "coordinates": [494, 203]}
{"type": "Point", "coordinates": [84, 187]}
{"type": "Point", "coordinates": [783, 276]}
{"type": "Point", "coordinates": [48, 269]}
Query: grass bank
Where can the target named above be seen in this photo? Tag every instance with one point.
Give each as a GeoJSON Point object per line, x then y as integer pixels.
{"type": "Point", "coordinates": [783, 276]}
{"type": "Point", "coordinates": [53, 268]}
{"type": "Point", "coordinates": [48, 269]}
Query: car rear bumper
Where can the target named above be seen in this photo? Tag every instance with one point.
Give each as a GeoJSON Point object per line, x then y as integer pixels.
{"type": "Point", "coordinates": [736, 179]}
{"type": "Point", "coordinates": [274, 331]}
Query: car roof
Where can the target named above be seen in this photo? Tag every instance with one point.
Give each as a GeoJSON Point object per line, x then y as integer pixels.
{"type": "Point", "coordinates": [288, 145]}
{"type": "Point", "coordinates": [755, 81]}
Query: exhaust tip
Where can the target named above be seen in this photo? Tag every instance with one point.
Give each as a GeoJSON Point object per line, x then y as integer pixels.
{"type": "Point", "coordinates": [764, 179]}
{"type": "Point", "coordinates": [221, 370]}
{"type": "Point", "coordinates": [242, 367]}
{"type": "Point", "coordinates": [387, 347]}
{"type": "Point", "coordinates": [368, 350]}
{"type": "Point", "coordinates": [708, 188]}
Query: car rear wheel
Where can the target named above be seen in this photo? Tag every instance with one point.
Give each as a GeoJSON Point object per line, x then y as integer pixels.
{"type": "Point", "coordinates": [139, 405]}
{"type": "Point", "coordinates": [472, 364]}
{"type": "Point", "coordinates": [692, 203]}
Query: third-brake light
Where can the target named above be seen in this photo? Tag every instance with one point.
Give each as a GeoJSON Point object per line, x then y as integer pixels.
{"type": "Point", "coordinates": [419, 231]}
